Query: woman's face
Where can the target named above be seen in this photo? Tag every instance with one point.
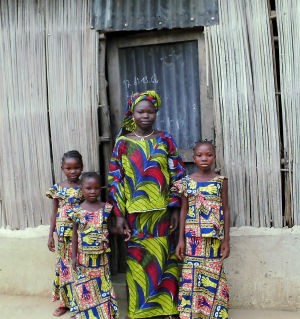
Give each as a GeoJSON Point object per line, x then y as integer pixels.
{"type": "Point", "coordinates": [144, 114]}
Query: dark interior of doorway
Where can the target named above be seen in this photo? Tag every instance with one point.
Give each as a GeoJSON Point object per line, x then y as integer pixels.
{"type": "Point", "coordinates": [285, 182]}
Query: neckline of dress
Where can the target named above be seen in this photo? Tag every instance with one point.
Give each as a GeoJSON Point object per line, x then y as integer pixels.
{"type": "Point", "coordinates": [94, 211]}
{"type": "Point", "coordinates": [75, 187]}
{"type": "Point", "coordinates": [91, 212]}
{"type": "Point", "coordinates": [209, 180]}
{"type": "Point", "coordinates": [145, 140]}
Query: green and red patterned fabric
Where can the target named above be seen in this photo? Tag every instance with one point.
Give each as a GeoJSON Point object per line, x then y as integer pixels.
{"type": "Point", "coordinates": [141, 173]}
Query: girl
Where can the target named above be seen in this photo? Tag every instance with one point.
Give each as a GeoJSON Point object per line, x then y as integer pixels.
{"type": "Point", "coordinates": [203, 239]}
{"type": "Point", "coordinates": [65, 195]}
{"type": "Point", "coordinates": [94, 297]}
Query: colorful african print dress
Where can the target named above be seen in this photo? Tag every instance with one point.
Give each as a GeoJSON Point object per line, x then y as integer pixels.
{"type": "Point", "coordinates": [203, 290]}
{"type": "Point", "coordinates": [67, 198]}
{"type": "Point", "coordinates": [141, 172]}
{"type": "Point", "coordinates": [94, 297]}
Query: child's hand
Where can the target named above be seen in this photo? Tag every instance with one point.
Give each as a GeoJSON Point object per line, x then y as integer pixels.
{"type": "Point", "coordinates": [180, 249]}
{"type": "Point", "coordinates": [51, 244]}
{"type": "Point", "coordinates": [75, 263]}
{"type": "Point", "coordinates": [225, 250]}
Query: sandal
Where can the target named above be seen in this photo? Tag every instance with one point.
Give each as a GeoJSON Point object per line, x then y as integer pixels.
{"type": "Point", "coordinates": [60, 311]}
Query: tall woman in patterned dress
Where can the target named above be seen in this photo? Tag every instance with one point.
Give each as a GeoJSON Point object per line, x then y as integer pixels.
{"type": "Point", "coordinates": [203, 239]}
{"type": "Point", "coordinates": [145, 162]}
{"type": "Point", "coordinates": [64, 195]}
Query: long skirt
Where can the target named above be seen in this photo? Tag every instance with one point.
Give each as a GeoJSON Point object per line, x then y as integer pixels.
{"type": "Point", "coordinates": [63, 280]}
{"type": "Point", "coordinates": [203, 290]}
{"type": "Point", "coordinates": [94, 297]}
{"type": "Point", "coordinates": [152, 269]}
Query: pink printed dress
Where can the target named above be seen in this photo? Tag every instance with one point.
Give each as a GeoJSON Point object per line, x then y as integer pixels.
{"type": "Point", "coordinates": [67, 198]}
{"type": "Point", "coordinates": [93, 293]}
{"type": "Point", "coordinates": [203, 290]}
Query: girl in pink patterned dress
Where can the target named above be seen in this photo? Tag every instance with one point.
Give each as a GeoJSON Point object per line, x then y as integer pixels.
{"type": "Point", "coordinates": [203, 239]}
{"type": "Point", "coordinates": [93, 294]}
{"type": "Point", "coordinates": [64, 195]}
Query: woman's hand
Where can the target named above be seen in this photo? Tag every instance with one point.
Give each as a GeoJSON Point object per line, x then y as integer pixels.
{"type": "Point", "coordinates": [174, 220]}
{"type": "Point", "coordinates": [225, 250]}
{"type": "Point", "coordinates": [75, 263]}
{"type": "Point", "coordinates": [122, 227]}
{"type": "Point", "coordinates": [180, 249]}
{"type": "Point", "coordinates": [51, 243]}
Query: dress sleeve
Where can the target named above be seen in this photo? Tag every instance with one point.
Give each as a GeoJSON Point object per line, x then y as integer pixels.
{"type": "Point", "coordinates": [116, 180]}
{"type": "Point", "coordinates": [179, 188]}
{"type": "Point", "coordinates": [176, 169]}
{"type": "Point", "coordinates": [73, 214]}
{"type": "Point", "coordinates": [221, 181]}
{"type": "Point", "coordinates": [106, 211]}
{"type": "Point", "coordinates": [52, 192]}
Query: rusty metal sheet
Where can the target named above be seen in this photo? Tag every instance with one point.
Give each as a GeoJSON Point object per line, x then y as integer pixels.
{"type": "Point", "coordinates": [129, 15]}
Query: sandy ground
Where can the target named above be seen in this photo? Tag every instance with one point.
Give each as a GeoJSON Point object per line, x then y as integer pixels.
{"type": "Point", "coordinates": [16, 307]}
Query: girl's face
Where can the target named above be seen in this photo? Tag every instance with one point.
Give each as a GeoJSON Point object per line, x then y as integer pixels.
{"type": "Point", "coordinates": [144, 114]}
{"type": "Point", "coordinates": [91, 189]}
{"type": "Point", "coordinates": [204, 156]}
{"type": "Point", "coordinates": [72, 168]}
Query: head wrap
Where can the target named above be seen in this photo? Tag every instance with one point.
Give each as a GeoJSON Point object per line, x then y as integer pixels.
{"type": "Point", "coordinates": [128, 121]}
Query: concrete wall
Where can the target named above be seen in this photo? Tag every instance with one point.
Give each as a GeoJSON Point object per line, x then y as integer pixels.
{"type": "Point", "coordinates": [263, 269]}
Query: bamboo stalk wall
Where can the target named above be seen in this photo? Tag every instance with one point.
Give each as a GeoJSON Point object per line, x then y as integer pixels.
{"type": "Point", "coordinates": [48, 65]}
{"type": "Point", "coordinates": [246, 117]}
{"type": "Point", "coordinates": [72, 64]}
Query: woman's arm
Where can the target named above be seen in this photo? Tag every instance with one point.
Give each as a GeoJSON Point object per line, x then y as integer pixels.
{"type": "Point", "coordinates": [116, 194]}
{"type": "Point", "coordinates": [75, 246]}
{"type": "Point", "coordinates": [51, 244]}
{"type": "Point", "coordinates": [181, 243]}
{"type": "Point", "coordinates": [225, 248]}
{"type": "Point", "coordinates": [176, 169]}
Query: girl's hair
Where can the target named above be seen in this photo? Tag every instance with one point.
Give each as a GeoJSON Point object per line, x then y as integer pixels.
{"type": "Point", "coordinates": [88, 175]}
{"type": "Point", "coordinates": [205, 141]}
{"type": "Point", "coordinates": [72, 154]}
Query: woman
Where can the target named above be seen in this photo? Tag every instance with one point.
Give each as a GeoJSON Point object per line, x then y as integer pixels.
{"type": "Point", "coordinates": [145, 162]}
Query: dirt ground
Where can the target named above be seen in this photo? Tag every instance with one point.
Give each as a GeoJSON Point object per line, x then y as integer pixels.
{"type": "Point", "coordinates": [16, 307]}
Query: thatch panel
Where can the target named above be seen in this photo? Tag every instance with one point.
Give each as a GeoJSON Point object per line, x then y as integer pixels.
{"type": "Point", "coordinates": [48, 66]}
{"type": "Point", "coordinates": [25, 150]}
{"type": "Point", "coordinates": [72, 49]}
{"type": "Point", "coordinates": [288, 22]}
{"type": "Point", "coordinates": [245, 107]}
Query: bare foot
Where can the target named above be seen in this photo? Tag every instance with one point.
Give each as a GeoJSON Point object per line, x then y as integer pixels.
{"type": "Point", "coordinates": [60, 311]}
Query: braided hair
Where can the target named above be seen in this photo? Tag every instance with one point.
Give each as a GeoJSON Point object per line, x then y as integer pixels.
{"type": "Point", "coordinates": [72, 154]}
{"type": "Point", "coordinates": [203, 142]}
{"type": "Point", "coordinates": [87, 175]}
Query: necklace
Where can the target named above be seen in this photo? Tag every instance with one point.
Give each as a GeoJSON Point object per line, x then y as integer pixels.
{"type": "Point", "coordinates": [143, 136]}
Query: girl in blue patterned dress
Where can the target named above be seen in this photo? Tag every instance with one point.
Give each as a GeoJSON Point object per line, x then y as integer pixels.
{"type": "Point", "coordinates": [64, 195]}
{"type": "Point", "coordinates": [93, 294]}
{"type": "Point", "coordinates": [203, 239]}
